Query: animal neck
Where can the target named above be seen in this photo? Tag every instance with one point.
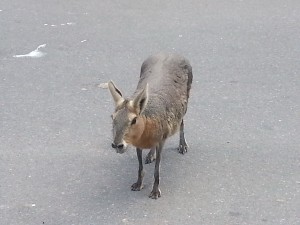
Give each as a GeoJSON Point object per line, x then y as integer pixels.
{"type": "Point", "coordinates": [151, 132]}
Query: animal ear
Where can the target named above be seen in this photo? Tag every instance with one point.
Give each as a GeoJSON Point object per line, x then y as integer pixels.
{"type": "Point", "coordinates": [115, 93]}
{"type": "Point", "coordinates": [141, 100]}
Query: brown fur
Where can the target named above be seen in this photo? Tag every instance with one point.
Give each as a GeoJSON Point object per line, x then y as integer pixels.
{"type": "Point", "coordinates": [150, 134]}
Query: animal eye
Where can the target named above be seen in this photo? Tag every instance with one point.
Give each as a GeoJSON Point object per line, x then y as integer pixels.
{"type": "Point", "coordinates": [133, 121]}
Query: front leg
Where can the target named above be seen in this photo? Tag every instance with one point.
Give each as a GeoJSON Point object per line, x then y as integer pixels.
{"type": "Point", "coordinates": [156, 193]}
{"type": "Point", "coordinates": [139, 184]}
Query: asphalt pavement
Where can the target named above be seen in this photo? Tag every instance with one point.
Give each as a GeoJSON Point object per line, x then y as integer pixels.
{"type": "Point", "coordinates": [242, 125]}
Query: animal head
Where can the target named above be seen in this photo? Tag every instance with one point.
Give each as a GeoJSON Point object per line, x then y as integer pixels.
{"type": "Point", "coordinates": [128, 124]}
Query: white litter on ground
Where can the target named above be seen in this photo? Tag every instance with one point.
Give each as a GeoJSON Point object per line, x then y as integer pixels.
{"type": "Point", "coordinates": [103, 85]}
{"type": "Point", "coordinates": [34, 54]}
{"type": "Point", "coordinates": [62, 24]}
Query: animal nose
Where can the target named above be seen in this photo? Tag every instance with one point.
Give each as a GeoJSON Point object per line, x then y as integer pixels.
{"type": "Point", "coordinates": [120, 146]}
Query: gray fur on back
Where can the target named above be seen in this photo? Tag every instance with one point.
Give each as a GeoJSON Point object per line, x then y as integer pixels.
{"type": "Point", "coordinates": [169, 78]}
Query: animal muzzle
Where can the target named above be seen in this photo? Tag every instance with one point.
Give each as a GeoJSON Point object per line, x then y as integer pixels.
{"type": "Point", "coordinates": [120, 148]}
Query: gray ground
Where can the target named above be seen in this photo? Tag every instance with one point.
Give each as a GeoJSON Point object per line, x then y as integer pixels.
{"type": "Point", "coordinates": [242, 126]}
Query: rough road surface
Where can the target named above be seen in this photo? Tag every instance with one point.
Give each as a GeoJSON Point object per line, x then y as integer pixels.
{"type": "Point", "coordinates": [243, 127]}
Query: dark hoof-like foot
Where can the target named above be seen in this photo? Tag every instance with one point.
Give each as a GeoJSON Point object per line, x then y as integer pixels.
{"type": "Point", "coordinates": [155, 194]}
{"type": "Point", "coordinates": [137, 186]}
{"type": "Point", "coordinates": [149, 159]}
{"type": "Point", "coordinates": [183, 149]}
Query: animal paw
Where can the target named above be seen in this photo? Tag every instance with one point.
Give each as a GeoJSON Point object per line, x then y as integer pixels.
{"type": "Point", "coordinates": [182, 149]}
{"type": "Point", "coordinates": [137, 186]}
{"type": "Point", "coordinates": [155, 194]}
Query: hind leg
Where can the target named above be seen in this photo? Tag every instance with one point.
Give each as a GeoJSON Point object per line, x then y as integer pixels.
{"type": "Point", "coordinates": [182, 142]}
{"type": "Point", "coordinates": [151, 156]}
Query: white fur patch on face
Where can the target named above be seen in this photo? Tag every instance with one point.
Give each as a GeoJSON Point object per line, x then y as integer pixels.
{"type": "Point", "coordinates": [131, 116]}
{"type": "Point", "coordinates": [125, 144]}
{"type": "Point", "coordinates": [130, 104]}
